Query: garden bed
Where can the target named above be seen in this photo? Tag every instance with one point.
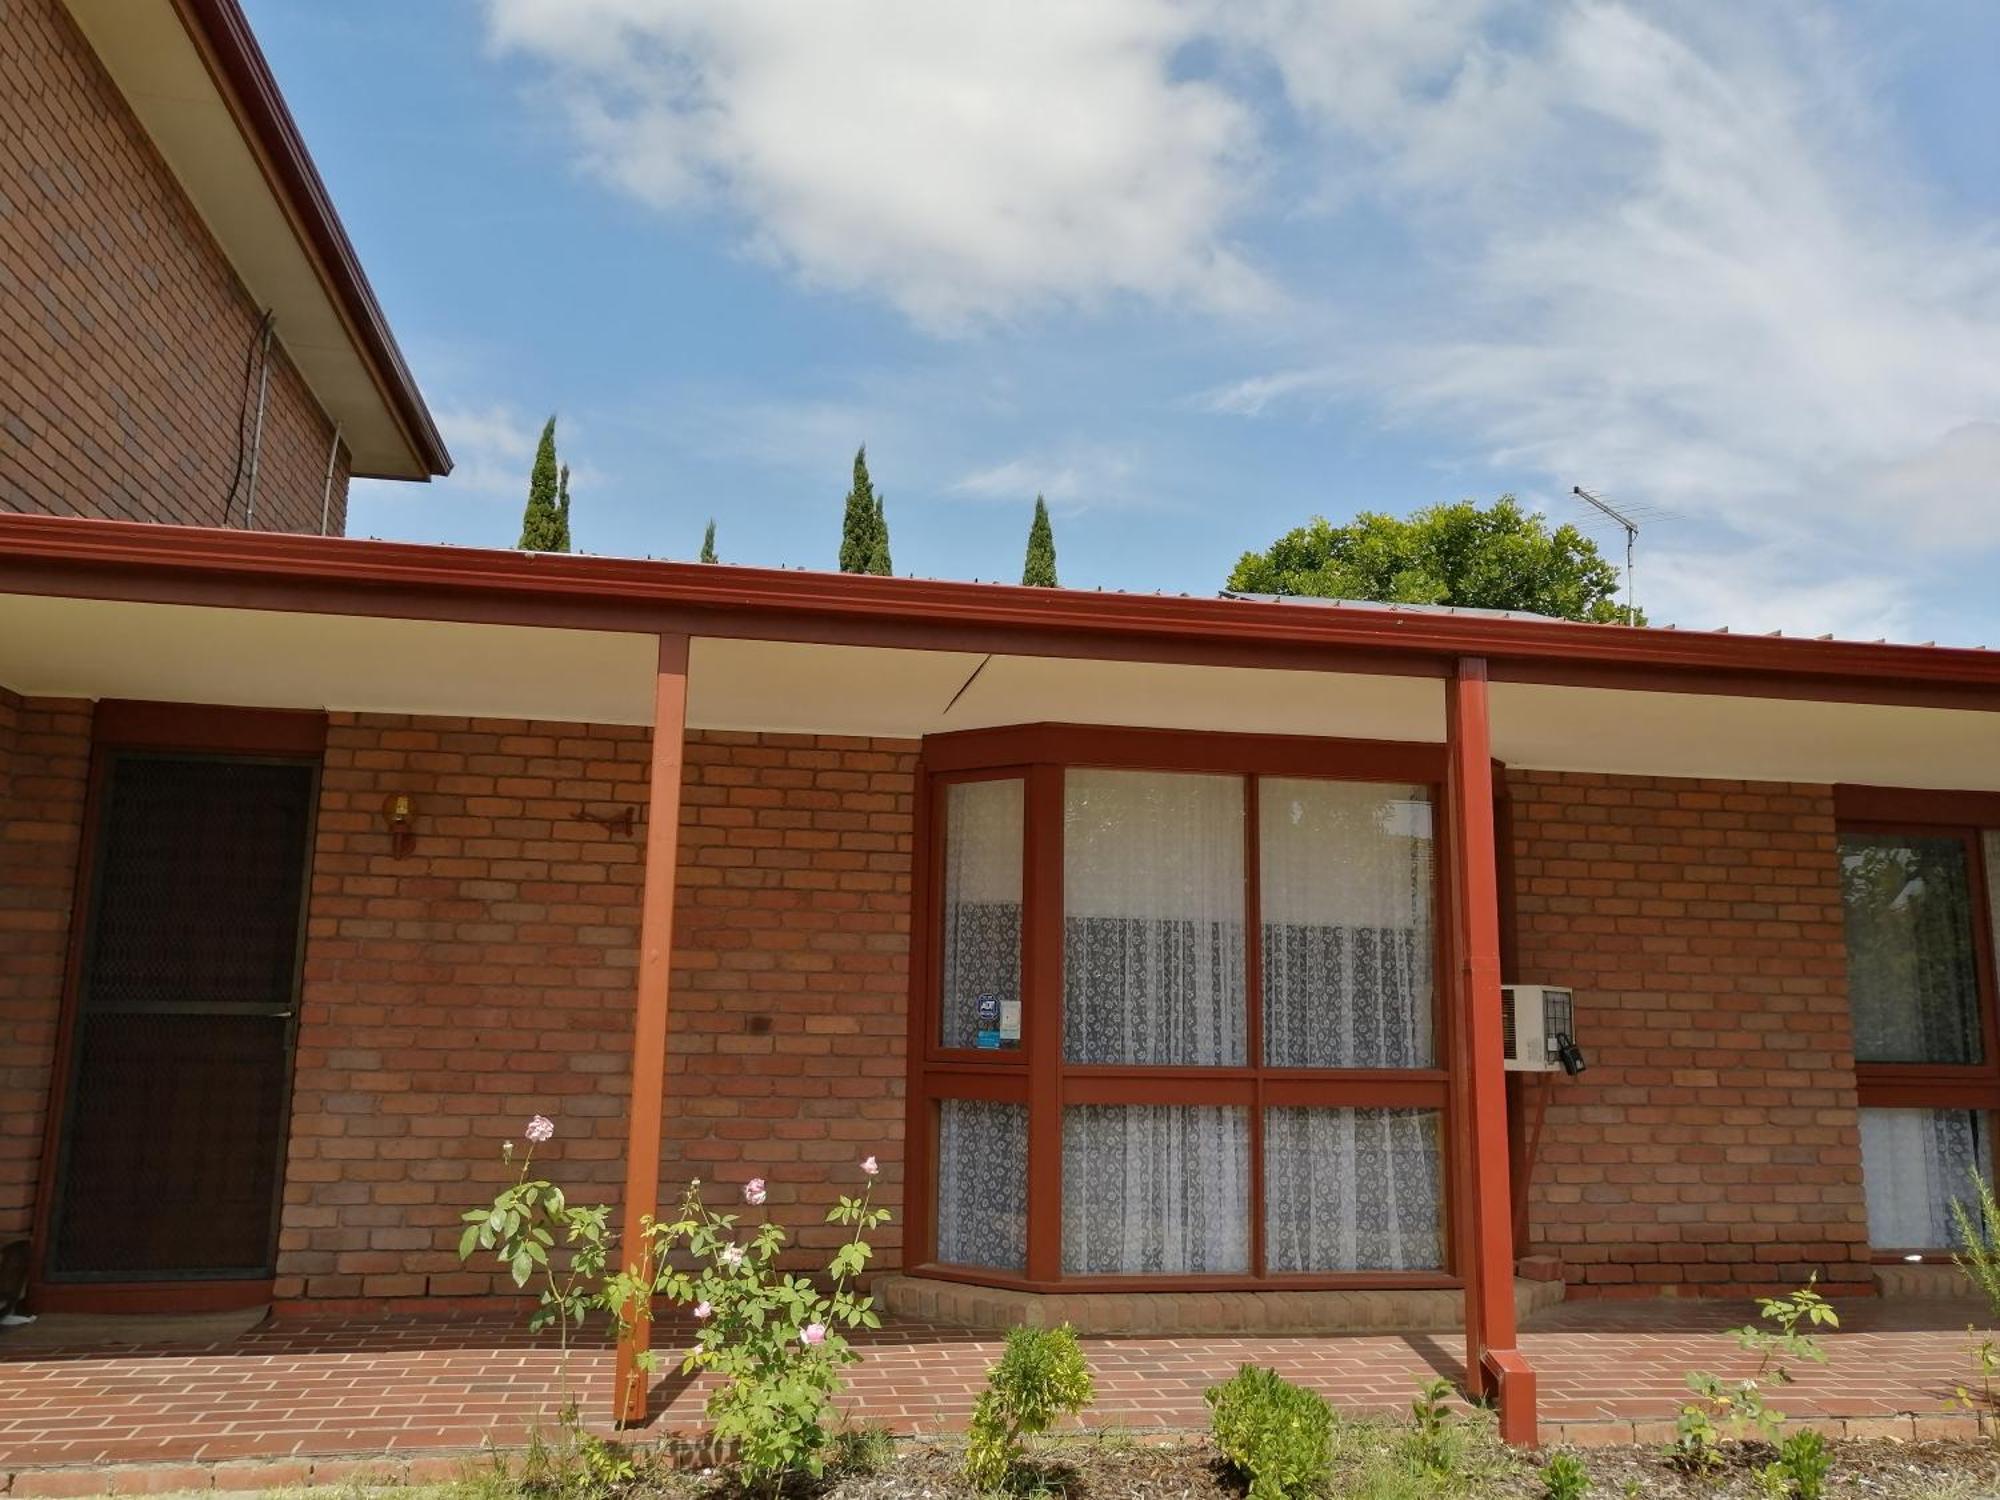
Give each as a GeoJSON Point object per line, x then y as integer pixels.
{"type": "Point", "coordinates": [1372, 1462]}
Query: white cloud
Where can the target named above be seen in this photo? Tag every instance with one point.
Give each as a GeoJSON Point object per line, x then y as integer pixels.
{"type": "Point", "coordinates": [1763, 589]}
{"type": "Point", "coordinates": [1073, 480]}
{"type": "Point", "coordinates": [963, 162]}
{"type": "Point", "coordinates": [1667, 250]}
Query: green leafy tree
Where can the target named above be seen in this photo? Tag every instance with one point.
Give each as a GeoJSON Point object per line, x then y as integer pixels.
{"type": "Point", "coordinates": [862, 522]}
{"type": "Point", "coordinates": [878, 548]}
{"type": "Point", "coordinates": [1040, 569]}
{"type": "Point", "coordinates": [545, 522]}
{"type": "Point", "coordinates": [1483, 557]}
{"type": "Point", "coordinates": [708, 543]}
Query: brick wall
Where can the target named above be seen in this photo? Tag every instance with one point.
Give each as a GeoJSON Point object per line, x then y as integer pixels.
{"type": "Point", "coordinates": [1712, 1146]}
{"type": "Point", "coordinates": [488, 976]}
{"type": "Point", "coordinates": [123, 328]}
{"type": "Point", "coordinates": [44, 766]}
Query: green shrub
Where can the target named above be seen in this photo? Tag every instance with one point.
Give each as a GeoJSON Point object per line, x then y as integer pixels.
{"type": "Point", "coordinates": [1565, 1478]}
{"type": "Point", "coordinates": [1278, 1434]}
{"type": "Point", "coordinates": [1977, 1256]}
{"type": "Point", "coordinates": [1434, 1446]}
{"type": "Point", "coordinates": [1042, 1376]}
{"type": "Point", "coordinates": [1805, 1460]}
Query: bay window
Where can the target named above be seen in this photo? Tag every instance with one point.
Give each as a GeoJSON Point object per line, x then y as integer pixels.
{"type": "Point", "coordinates": [1919, 925]}
{"type": "Point", "coordinates": [1175, 1011]}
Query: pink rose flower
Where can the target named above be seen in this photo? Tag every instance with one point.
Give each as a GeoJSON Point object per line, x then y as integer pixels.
{"type": "Point", "coordinates": [753, 1191]}
{"type": "Point", "coordinates": [813, 1333]}
{"type": "Point", "coordinates": [540, 1129]}
{"type": "Point", "coordinates": [702, 1310]}
{"type": "Point", "coordinates": [869, 1166]}
{"type": "Point", "coordinates": [732, 1256]}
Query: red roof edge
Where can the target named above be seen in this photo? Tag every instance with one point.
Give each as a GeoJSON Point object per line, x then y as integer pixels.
{"type": "Point", "coordinates": [222, 32]}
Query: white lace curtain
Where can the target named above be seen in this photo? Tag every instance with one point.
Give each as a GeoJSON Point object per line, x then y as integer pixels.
{"type": "Point", "coordinates": [1153, 967]}
{"type": "Point", "coordinates": [1352, 1190]}
{"type": "Point", "coordinates": [1346, 890]}
{"type": "Point", "coordinates": [1914, 1162]}
{"type": "Point", "coordinates": [982, 1178]}
{"type": "Point", "coordinates": [982, 904]}
{"type": "Point", "coordinates": [1155, 1189]}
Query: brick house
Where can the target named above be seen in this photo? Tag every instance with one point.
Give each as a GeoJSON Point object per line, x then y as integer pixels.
{"type": "Point", "coordinates": [1155, 945]}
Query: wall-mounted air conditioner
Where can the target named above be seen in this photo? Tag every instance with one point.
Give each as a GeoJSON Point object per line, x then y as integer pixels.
{"type": "Point", "coordinates": [1538, 1025]}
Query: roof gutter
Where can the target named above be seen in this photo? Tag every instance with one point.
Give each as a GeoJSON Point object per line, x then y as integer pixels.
{"type": "Point", "coordinates": [265, 570]}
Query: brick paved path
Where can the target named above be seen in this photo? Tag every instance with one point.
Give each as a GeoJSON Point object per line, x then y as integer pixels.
{"type": "Point", "coordinates": [309, 1390]}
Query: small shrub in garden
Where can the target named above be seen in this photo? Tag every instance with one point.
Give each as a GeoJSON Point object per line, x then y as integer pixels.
{"type": "Point", "coordinates": [772, 1336]}
{"type": "Point", "coordinates": [1977, 1255]}
{"type": "Point", "coordinates": [1565, 1478]}
{"type": "Point", "coordinates": [1433, 1444]}
{"type": "Point", "coordinates": [1723, 1409]}
{"type": "Point", "coordinates": [1278, 1434]}
{"type": "Point", "coordinates": [1805, 1461]}
{"type": "Point", "coordinates": [1041, 1376]}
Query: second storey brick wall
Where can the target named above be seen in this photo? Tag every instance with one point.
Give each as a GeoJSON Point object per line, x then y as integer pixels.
{"type": "Point", "coordinates": [123, 328]}
{"type": "Point", "coordinates": [1713, 1144]}
{"type": "Point", "coordinates": [489, 976]}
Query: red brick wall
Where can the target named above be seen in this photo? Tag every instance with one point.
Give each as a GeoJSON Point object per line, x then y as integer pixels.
{"type": "Point", "coordinates": [44, 766]}
{"type": "Point", "coordinates": [489, 976]}
{"type": "Point", "coordinates": [123, 329]}
{"type": "Point", "coordinates": [1712, 1145]}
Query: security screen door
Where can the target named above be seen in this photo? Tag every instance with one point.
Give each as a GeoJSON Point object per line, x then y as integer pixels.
{"type": "Point", "coordinates": [180, 1059]}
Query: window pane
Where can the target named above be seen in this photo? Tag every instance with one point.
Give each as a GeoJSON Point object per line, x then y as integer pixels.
{"type": "Point", "coordinates": [1153, 919]}
{"type": "Point", "coordinates": [981, 1001]}
{"type": "Point", "coordinates": [1352, 1190]}
{"type": "Point", "coordinates": [1345, 890]}
{"type": "Point", "coordinates": [1912, 980]}
{"type": "Point", "coordinates": [1914, 1162]}
{"type": "Point", "coordinates": [1155, 1188]}
{"type": "Point", "coordinates": [982, 1199]}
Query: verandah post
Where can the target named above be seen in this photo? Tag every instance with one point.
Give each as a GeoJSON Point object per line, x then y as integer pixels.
{"type": "Point", "coordinates": [646, 1112]}
{"type": "Point", "coordinates": [1494, 1365]}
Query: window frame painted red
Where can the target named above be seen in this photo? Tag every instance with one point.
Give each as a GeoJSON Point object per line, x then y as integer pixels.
{"type": "Point", "coordinates": [1037, 1076]}
{"type": "Point", "coordinates": [1934, 1086]}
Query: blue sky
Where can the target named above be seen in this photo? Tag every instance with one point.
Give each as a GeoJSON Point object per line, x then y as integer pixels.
{"type": "Point", "coordinates": [1197, 271]}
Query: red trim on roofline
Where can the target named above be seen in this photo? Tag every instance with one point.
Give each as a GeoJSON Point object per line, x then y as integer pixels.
{"type": "Point", "coordinates": [222, 34]}
{"type": "Point", "coordinates": [73, 556]}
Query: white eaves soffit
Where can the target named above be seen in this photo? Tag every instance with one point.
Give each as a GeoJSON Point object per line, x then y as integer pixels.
{"type": "Point", "coordinates": [1636, 733]}
{"type": "Point", "coordinates": [57, 647]}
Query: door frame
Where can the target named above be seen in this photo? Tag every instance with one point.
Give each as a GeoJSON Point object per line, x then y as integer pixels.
{"type": "Point", "coordinates": [197, 731]}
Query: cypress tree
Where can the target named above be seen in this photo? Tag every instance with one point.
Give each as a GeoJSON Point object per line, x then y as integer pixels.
{"type": "Point", "coordinates": [562, 511]}
{"type": "Point", "coordinates": [543, 525]}
{"type": "Point", "coordinates": [1040, 569]}
{"type": "Point", "coordinates": [708, 542]}
{"type": "Point", "coordinates": [863, 517]}
{"type": "Point", "coordinates": [878, 549]}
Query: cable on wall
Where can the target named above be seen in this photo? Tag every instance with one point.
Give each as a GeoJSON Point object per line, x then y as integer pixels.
{"type": "Point", "coordinates": [260, 340]}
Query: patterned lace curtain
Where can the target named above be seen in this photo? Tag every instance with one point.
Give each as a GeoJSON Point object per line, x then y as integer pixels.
{"type": "Point", "coordinates": [982, 905]}
{"type": "Point", "coordinates": [1352, 1190]}
{"type": "Point", "coordinates": [1914, 1162]}
{"type": "Point", "coordinates": [1346, 891]}
{"type": "Point", "coordinates": [1156, 1189]}
{"type": "Point", "coordinates": [982, 1184]}
{"type": "Point", "coordinates": [1912, 978]}
{"type": "Point", "coordinates": [1153, 962]}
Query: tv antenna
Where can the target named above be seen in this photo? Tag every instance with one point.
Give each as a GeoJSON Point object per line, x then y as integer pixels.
{"type": "Point", "coordinates": [1631, 528]}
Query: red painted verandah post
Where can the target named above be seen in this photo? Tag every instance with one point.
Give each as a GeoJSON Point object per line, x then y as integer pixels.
{"type": "Point", "coordinates": [1493, 1364]}
{"type": "Point", "coordinates": [649, 1029]}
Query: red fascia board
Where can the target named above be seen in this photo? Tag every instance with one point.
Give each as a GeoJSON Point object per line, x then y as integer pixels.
{"type": "Point", "coordinates": [200, 565]}
{"type": "Point", "coordinates": [222, 33]}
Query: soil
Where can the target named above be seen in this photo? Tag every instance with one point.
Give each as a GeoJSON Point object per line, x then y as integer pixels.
{"type": "Point", "coordinates": [1180, 1469]}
